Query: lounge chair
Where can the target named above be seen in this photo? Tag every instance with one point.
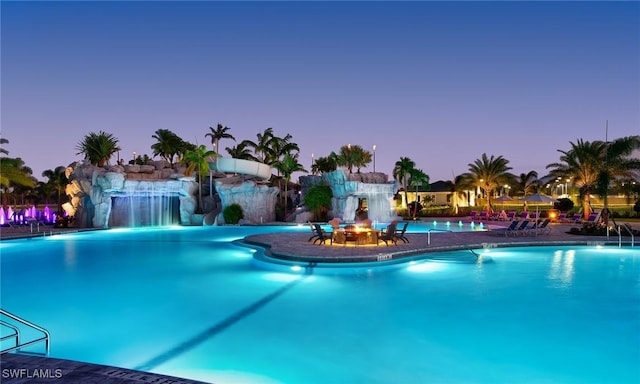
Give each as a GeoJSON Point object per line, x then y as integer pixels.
{"type": "Point", "coordinates": [512, 215]}
{"type": "Point", "coordinates": [524, 215]}
{"type": "Point", "coordinates": [543, 227]}
{"type": "Point", "coordinates": [576, 218]}
{"type": "Point", "coordinates": [512, 227]}
{"type": "Point", "coordinates": [521, 229]}
{"type": "Point", "coordinates": [562, 217]}
{"type": "Point", "coordinates": [400, 233]}
{"type": "Point", "coordinates": [484, 215]}
{"type": "Point", "coordinates": [593, 218]}
{"type": "Point", "coordinates": [474, 215]}
{"type": "Point", "coordinates": [389, 235]}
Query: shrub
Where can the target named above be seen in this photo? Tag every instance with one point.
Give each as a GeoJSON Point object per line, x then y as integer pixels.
{"type": "Point", "coordinates": [563, 205]}
{"type": "Point", "coordinates": [233, 214]}
{"type": "Point", "coordinates": [318, 200]}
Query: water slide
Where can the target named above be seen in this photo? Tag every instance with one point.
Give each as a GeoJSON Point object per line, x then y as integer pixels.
{"type": "Point", "coordinates": [244, 167]}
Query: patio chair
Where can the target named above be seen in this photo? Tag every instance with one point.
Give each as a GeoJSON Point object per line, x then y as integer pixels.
{"type": "Point", "coordinates": [400, 233]}
{"type": "Point", "coordinates": [314, 233]}
{"type": "Point", "coordinates": [524, 215]}
{"type": "Point", "coordinates": [484, 215]}
{"type": "Point", "coordinates": [389, 235]}
{"type": "Point", "coordinates": [512, 215]}
{"type": "Point", "coordinates": [474, 215]}
{"type": "Point", "coordinates": [321, 235]}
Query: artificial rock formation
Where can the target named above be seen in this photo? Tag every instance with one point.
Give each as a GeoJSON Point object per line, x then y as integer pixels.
{"type": "Point", "coordinates": [349, 188]}
{"type": "Point", "coordinates": [257, 200]}
{"type": "Point", "coordinates": [93, 190]}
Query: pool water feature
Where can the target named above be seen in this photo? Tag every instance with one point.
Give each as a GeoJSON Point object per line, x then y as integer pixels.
{"type": "Point", "coordinates": [189, 302]}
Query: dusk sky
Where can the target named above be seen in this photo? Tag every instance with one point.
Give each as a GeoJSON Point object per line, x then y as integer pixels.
{"type": "Point", "coordinates": [438, 82]}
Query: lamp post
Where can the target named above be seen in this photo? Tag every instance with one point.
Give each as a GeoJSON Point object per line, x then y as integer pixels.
{"type": "Point", "coordinates": [134, 157]}
{"type": "Point", "coordinates": [374, 158]}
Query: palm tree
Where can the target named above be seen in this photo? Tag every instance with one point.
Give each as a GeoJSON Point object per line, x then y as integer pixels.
{"type": "Point", "coordinates": [528, 183]}
{"type": "Point", "coordinates": [617, 164]}
{"type": "Point", "coordinates": [487, 173]}
{"type": "Point", "coordinates": [261, 147]}
{"type": "Point", "coordinates": [14, 173]}
{"type": "Point", "coordinates": [58, 181]}
{"type": "Point", "coordinates": [287, 166]}
{"type": "Point", "coordinates": [324, 165]}
{"type": "Point", "coordinates": [401, 171]}
{"type": "Point", "coordinates": [348, 157]}
{"type": "Point", "coordinates": [593, 166]}
{"type": "Point", "coordinates": [197, 159]}
{"type": "Point", "coordinates": [98, 147]}
{"type": "Point", "coordinates": [279, 147]}
{"type": "Point", "coordinates": [581, 164]}
{"type": "Point", "coordinates": [218, 133]}
{"type": "Point", "coordinates": [241, 151]}
{"type": "Point", "coordinates": [168, 145]}
{"type": "Point", "coordinates": [360, 157]}
{"type": "Point", "coordinates": [417, 179]}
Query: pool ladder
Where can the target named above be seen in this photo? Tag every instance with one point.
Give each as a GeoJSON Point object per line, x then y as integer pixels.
{"type": "Point", "coordinates": [15, 333]}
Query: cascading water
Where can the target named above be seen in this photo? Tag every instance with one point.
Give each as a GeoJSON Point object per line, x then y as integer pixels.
{"type": "Point", "coordinates": [149, 204]}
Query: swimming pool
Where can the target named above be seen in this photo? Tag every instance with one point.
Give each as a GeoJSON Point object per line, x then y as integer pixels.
{"type": "Point", "coordinates": [189, 303]}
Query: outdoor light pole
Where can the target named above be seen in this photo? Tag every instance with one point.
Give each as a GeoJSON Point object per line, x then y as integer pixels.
{"type": "Point", "coordinates": [134, 157]}
{"type": "Point", "coordinates": [374, 158]}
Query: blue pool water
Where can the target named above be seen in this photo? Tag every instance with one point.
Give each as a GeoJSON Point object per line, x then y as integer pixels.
{"type": "Point", "coordinates": [187, 302]}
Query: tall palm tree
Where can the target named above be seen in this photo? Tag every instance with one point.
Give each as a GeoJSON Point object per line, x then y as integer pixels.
{"type": "Point", "coordinates": [279, 147]}
{"type": "Point", "coordinates": [528, 183]}
{"type": "Point", "coordinates": [218, 133]}
{"type": "Point", "coordinates": [58, 181]}
{"type": "Point", "coordinates": [487, 173]}
{"type": "Point", "coordinates": [241, 151]}
{"type": "Point", "coordinates": [593, 166]}
{"type": "Point", "coordinates": [418, 178]}
{"type": "Point", "coordinates": [401, 171]}
{"type": "Point", "coordinates": [287, 166]}
{"type": "Point", "coordinates": [618, 164]}
{"type": "Point", "coordinates": [168, 145]}
{"type": "Point", "coordinates": [581, 164]}
{"type": "Point", "coordinates": [261, 147]}
{"type": "Point", "coordinates": [196, 160]}
{"type": "Point", "coordinates": [98, 147]}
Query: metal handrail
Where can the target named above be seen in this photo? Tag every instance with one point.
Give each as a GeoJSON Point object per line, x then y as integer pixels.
{"type": "Point", "coordinates": [620, 234]}
{"type": "Point", "coordinates": [46, 338]}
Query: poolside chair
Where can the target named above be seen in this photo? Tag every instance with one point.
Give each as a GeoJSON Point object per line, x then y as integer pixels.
{"type": "Point", "coordinates": [389, 235]}
{"type": "Point", "coordinates": [562, 218]}
{"type": "Point", "coordinates": [593, 218]}
{"type": "Point", "coordinates": [400, 233]}
{"type": "Point", "coordinates": [524, 215]}
{"type": "Point", "coordinates": [512, 227]}
{"type": "Point", "coordinates": [521, 229]}
{"type": "Point", "coordinates": [512, 215]}
{"type": "Point", "coordinates": [314, 233]}
{"type": "Point", "coordinates": [321, 235]}
{"type": "Point", "coordinates": [576, 218]}
{"type": "Point", "coordinates": [484, 215]}
{"type": "Point", "coordinates": [474, 215]}
{"type": "Point", "coordinates": [543, 227]}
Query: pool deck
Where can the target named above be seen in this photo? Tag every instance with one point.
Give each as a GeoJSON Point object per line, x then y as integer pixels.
{"type": "Point", "coordinates": [296, 247]}
{"type": "Point", "coordinates": [286, 247]}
